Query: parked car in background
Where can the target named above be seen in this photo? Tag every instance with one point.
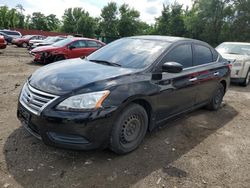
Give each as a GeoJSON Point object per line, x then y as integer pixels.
{"type": "Point", "coordinates": [24, 41]}
{"type": "Point", "coordinates": [66, 49]}
{"type": "Point", "coordinates": [118, 93]}
{"type": "Point", "coordinates": [11, 33]}
{"type": "Point", "coordinates": [238, 53]}
{"type": "Point", "coordinates": [7, 38]}
{"type": "Point", "coordinates": [46, 42]}
{"type": "Point", "coordinates": [32, 41]}
{"type": "Point", "coordinates": [3, 43]}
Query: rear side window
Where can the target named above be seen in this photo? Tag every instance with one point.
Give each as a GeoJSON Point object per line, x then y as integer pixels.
{"type": "Point", "coordinates": [202, 55]}
{"type": "Point", "coordinates": [181, 54]}
{"type": "Point", "coordinates": [93, 44]}
{"type": "Point", "coordinates": [11, 33]}
{"type": "Point", "coordinates": [79, 44]}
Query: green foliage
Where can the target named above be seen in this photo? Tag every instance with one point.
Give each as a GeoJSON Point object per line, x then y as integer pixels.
{"type": "Point", "coordinates": [213, 21]}
{"type": "Point", "coordinates": [109, 20]}
{"type": "Point", "coordinates": [129, 21]}
{"type": "Point", "coordinates": [77, 20]}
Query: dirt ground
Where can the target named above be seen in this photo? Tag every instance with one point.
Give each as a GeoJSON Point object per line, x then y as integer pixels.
{"type": "Point", "coordinates": [201, 149]}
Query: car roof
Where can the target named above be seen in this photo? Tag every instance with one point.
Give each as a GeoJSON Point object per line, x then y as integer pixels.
{"type": "Point", "coordinates": [241, 43]}
{"type": "Point", "coordinates": [170, 39]}
{"type": "Point", "coordinates": [81, 38]}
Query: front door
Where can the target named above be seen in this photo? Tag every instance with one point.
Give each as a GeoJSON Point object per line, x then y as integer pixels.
{"type": "Point", "coordinates": [177, 90]}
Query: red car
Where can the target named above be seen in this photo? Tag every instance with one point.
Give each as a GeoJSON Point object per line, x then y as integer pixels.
{"type": "Point", "coordinates": [3, 43]}
{"type": "Point", "coordinates": [66, 49]}
{"type": "Point", "coordinates": [24, 40]}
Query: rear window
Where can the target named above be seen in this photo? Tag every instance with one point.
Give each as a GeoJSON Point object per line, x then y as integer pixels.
{"type": "Point", "coordinates": [11, 33]}
{"type": "Point", "coordinates": [203, 55]}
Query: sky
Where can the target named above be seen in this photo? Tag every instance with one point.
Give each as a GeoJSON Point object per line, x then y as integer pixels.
{"type": "Point", "coordinates": [149, 9]}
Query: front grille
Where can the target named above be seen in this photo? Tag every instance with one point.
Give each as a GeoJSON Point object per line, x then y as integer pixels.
{"type": "Point", "coordinates": [34, 100]}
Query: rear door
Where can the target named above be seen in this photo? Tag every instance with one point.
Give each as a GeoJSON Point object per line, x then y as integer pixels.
{"type": "Point", "coordinates": [177, 90]}
{"type": "Point", "coordinates": [209, 72]}
{"type": "Point", "coordinates": [92, 46]}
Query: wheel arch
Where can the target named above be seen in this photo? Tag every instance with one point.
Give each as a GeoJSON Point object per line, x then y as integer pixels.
{"type": "Point", "coordinates": [224, 83]}
{"type": "Point", "coordinates": [146, 104]}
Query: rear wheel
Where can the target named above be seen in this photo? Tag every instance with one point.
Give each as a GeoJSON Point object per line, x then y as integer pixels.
{"type": "Point", "coordinates": [129, 129]}
{"type": "Point", "coordinates": [247, 80]}
{"type": "Point", "coordinates": [217, 98]}
{"type": "Point", "coordinates": [24, 45]}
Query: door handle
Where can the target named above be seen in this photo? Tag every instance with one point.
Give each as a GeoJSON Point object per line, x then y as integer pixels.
{"type": "Point", "coordinates": [193, 79]}
{"type": "Point", "coordinates": [216, 74]}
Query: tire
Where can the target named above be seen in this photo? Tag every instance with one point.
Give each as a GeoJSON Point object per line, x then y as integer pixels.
{"type": "Point", "coordinates": [217, 98]}
{"type": "Point", "coordinates": [24, 45]}
{"type": "Point", "coordinates": [129, 129]}
{"type": "Point", "coordinates": [247, 80]}
{"type": "Point", "coordinates": [59, 58]}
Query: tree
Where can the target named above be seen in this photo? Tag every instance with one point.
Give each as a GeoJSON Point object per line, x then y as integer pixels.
{"type": "Point", "coordinates": [240, 28]}
{"type": "Point", "coordinates": [109, 20]}
{"type": "Point", "coordinates": [77, 20]}
{"type": "Point", "coordinates": [4, 21]}
{"type": "Point", "coordinates": [176, 21]}
{"type": "Point", "coordinates": [52, 22]}
{"type": "Point", "coordinates": [162, 22]}
{"type": "Point", "coordinates": [129, 21]}
{"type": "Point", "coordinates": [207, 19]}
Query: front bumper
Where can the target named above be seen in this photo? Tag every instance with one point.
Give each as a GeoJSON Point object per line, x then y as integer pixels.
{"type": "Point", "coordinates": [80, 131]}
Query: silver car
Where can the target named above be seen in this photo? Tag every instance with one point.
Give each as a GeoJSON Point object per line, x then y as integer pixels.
{"type": "Point", "coordinates": [238, 53]}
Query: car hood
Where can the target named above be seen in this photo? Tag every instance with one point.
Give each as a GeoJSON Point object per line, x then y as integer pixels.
{"type": "Point", "coordinates": [235, 57]}
{"type": "Point", "coordinates": [65, 76]}
{"type": "Point", "coordinates": [44, 48]}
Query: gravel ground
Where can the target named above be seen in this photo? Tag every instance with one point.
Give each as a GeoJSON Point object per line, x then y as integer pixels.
{"type": "Point", "coordinates": [200, 149]}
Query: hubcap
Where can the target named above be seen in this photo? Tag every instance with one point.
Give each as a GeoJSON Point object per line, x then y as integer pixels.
{"type": "Point", "coordinates": [130, 129]}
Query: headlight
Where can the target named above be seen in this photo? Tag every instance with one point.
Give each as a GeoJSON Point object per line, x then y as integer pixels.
{"type": "Point", "coordinates": [84, 101]}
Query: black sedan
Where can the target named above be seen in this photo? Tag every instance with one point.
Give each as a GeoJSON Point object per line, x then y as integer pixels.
{"type": "Point", "coordinates": [121, 91]}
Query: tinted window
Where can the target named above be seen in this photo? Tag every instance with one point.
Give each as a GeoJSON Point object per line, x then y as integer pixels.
{"type": "Point", "coordinates": [215, 54]}
{"type": "Point", "coordinates": [203, 55]}
{"type": "Point", "coordinates": [181, 54]}
{"type": "Point", "coordinates": [131, 52]}
{"type": "Point", "coordinates": [93, 44]}
{"type": "Point", "coordinates": [78, 44]}
{"type": "Point", "coordinates": [11, 33]}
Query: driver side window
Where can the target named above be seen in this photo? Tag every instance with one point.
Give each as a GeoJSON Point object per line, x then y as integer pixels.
{"type": "Point", "coordinates": [181, 54]}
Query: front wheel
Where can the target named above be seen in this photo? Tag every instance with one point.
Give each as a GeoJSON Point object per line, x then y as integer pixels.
{"type": "Point", "coordinates": [129, 129]}
{"type": "Point", "coordinates": [217, 98]}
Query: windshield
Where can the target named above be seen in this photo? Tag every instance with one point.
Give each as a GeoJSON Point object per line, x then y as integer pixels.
{"type": "Point", "coordinates": [230, 48]}
{"type": "Point", "coordinates": [130, 52]}
{"type": "Point", "coordinates": [48, 39]}
{"type": "Point", "coordinates": [27, 36]}
{"type": "Point", "coordinates": [62, 43]}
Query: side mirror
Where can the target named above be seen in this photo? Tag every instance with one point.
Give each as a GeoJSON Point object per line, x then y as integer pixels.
{"type": "Point", "coordinates": [71, 47]}
{"type": "Point", "coordinates": [172, 67]}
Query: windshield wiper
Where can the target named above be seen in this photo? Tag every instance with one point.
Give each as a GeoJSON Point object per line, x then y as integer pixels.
{"type": "Point", "coordinates": [105, 62]}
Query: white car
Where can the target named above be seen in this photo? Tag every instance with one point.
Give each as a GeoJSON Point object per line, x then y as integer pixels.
{"type": "Point", "coordinates": [238, 53]}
